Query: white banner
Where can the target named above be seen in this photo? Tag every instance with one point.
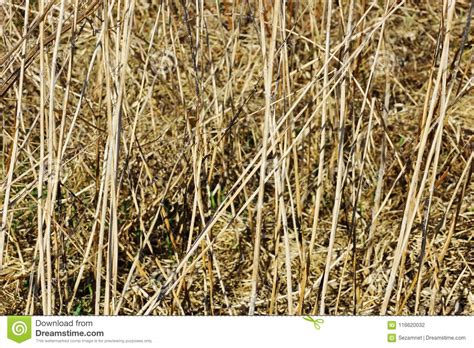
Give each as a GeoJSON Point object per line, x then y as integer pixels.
{"type": "Point", "coordinates": [239, 332]}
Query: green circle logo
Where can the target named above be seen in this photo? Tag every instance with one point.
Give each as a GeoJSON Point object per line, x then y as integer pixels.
{"type": "Point", "coordinates": [19, 328]}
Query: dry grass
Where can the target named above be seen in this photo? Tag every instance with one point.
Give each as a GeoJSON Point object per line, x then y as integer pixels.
{"type": "Point", "coordinates": [217, 157]}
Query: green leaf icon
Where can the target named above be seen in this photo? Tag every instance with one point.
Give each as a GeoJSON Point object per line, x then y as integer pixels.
{"type": "Point", "coordinates": [19, 328]}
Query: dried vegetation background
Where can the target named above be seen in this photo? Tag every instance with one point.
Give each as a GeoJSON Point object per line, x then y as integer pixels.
{"type": "Point", "coordinates": [246, 157]}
